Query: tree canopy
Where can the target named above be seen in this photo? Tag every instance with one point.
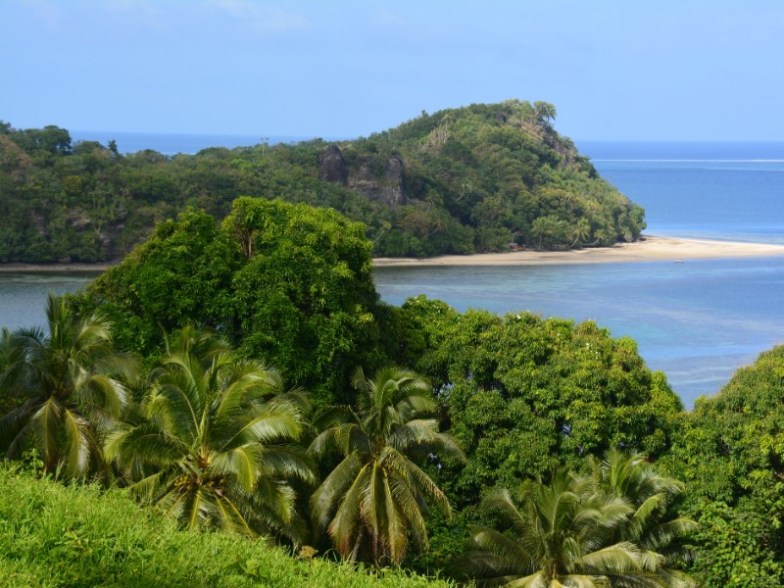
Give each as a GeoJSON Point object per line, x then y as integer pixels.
{"type": "Point", "coordinates": [524, 394]}
{"type": "Point", "coordinates": [288, 283]}
{"type": "Point", "coordinates": [460, 180]}
{"type": "Point", "coordinates": [730, 453]}
{"type": "Point", "coordinates": [212, 446]}
{"type": "Point", "coordinates": [373, 502]}
{"type": "Point", "coordinates": [289, 286]}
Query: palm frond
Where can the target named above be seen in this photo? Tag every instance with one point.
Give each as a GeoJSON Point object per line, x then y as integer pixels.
{"type": "Point", "coordinates": [620, 558]}
{"type": "Point", "coordinates": [245, 383]}
{"type": "Point", "coordinates": [45, 426]}
{"type": "Point", "coordinates": [507, 557]}
{"type": "Point", "coordinates": [396, 531]}
{"type": "Point", "coordinates": [286, 463]}
{"type": "Point", "coordinates": [195, 509]}
{"type": "Point", "coordinates": [663, 534]}
{"type": "Point", "coordinates": [328, 496]}
{"type": "Point", "coordinates": [145, 443]}
{"type": "Point", "coordinates": [345, 439]}
{"type": "Point", "coordinates": [12, 425]}
{"type": "Point", "coordinates": [230, 518]}
{"type": "Point", "coordinates": [345, 524]}
{"type": "Point", "coordinates": [240, 463]}
{"type": "Point", "coordinates": [146, 488]}
{"type": "Point", "coordinates": [415, 479]}
{"type": "Point", "coordinates": [77, 443]}
{"type": "Point", "coordinates": [500, 501]}
{"type": "Point", "coordinates": [333, 416]}
{"type": "Point", "coordinates": [102, 397]}
{"type": "Point", "coordinates": [271, 424]}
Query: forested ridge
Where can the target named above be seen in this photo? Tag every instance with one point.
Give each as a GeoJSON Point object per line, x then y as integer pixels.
{"type": "Point", "coordinates": [464, 180]}
{"type": "Point", "coordinates": [220, 385]}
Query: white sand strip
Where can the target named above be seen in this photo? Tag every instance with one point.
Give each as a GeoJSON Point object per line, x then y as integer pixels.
{"type": "Point", "coordinates": [649, 249]}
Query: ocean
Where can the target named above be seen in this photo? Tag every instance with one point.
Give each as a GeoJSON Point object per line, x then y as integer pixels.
{"type": "Point", "coordinates": [697, 321]}
{"type": "Point", "coordinates": [172, 144]}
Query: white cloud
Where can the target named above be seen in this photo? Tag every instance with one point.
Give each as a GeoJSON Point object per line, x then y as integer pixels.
{"type": "Point", "coordinates": [260, 16]}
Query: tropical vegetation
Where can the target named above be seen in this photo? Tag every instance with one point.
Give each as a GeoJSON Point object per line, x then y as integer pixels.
{"type": "Point", "coordinates": [66, 388]}
{"type": "Point", "coordinates": [212, 444]}
{"type": "Point", "coordinates": [372, 502]}
{"type": "Point", "coordinates": [568, 532]}
{"type": "Point", "coordinates": [460, 180]}
{"type": "Point", "coordinates": [213, 375]}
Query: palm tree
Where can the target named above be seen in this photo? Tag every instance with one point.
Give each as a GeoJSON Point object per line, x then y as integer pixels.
{"type": "Point", "coordinates": [562, 534]}
{"type": "Point", "coordinates": [581, 231]}
{"type": "Point", "coordinates": [373, 502]}
{"type": "Point", "coordinates": [66, 387]}
{"type": "Point", "coordinates": [651, 494]}
{"type": "Point", "coordinates": [212, 446]}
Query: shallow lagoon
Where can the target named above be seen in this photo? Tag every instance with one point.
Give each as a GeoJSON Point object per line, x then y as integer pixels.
{"type": "Point", "coordinates": [697, 321]}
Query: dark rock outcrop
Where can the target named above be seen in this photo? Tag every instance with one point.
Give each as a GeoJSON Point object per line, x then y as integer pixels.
{"type": "Point", "coordinates": [332, 166]}
{"type": "Point", "coordinates": [386, 188]}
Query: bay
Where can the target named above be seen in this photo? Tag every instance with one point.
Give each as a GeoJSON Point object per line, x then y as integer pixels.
{"type": "Point", "coordinates": [23, 295]}
{"type": "Point", "coordinates": [697, 321]}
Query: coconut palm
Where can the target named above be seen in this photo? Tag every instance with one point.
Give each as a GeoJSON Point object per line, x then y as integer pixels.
{"type": "Point", "coordinates": [373, 503]}
{"type": "Point", "coordinates": [212, 446]}
{"type": "Point", "coordinates": [581, 231]}
{"type": "Point", "coordinates": [650, 525]}
{"type": "Point", "coordinates": [561, 534]}
{"type": "Point", "coordinates": [66, 384]}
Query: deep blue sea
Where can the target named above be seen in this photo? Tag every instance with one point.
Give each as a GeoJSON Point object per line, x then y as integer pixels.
{"type": "Point", "coordinates": [697, 321]}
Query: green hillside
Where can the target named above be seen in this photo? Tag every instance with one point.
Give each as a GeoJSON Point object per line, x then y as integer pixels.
{"type": "Point", "coordinates": [474, 179]}
{"type": "Point", "coordinates": [52, 535]}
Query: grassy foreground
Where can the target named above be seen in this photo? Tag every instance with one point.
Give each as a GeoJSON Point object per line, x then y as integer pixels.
{"type": "Point", "coordinates": [52, 535]}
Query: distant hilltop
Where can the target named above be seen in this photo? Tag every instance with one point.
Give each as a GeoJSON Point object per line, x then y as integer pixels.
{"type": "Point", "coordinates": [486, 177]}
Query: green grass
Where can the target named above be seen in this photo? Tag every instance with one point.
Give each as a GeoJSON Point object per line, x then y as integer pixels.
{"type": "Point", "coordinates": [54, 535]}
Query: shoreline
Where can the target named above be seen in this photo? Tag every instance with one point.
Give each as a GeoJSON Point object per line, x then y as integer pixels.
{"type": "Point", "coordinates": [649, 248]}
{"type": "Point", "coordinates": [56, 268]}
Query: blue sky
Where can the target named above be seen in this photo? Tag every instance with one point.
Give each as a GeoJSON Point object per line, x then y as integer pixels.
{"type": "Point", "coordinates": [615, 69]}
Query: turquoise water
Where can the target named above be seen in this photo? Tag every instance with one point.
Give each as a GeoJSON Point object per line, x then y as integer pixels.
{"type": "Point", "coordinates": [697, 321]}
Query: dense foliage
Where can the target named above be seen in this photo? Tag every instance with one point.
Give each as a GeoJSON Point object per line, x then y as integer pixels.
{"type": "Point", "coordinates": [202, 428]}
{"type": "Point", "coordinates": [730, 453]}
{"type": "Point", "coordinates": [287, 283]}
{"type": "Point", "coordinates": [526, 394]}
{"type": "Point", "coordinates": [374, 500]}
{"type": "Point", "coordinates": [606, 528]}
{"type": "Point", "coordinates": [458, 181]}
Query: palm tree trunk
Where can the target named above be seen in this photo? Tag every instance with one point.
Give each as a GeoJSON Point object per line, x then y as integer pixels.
{"type": "Point", "coordinates": [355, 551]}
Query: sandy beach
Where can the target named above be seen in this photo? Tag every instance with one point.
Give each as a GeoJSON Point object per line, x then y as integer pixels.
{"type": "Point", "coordinates": [651, 248]}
